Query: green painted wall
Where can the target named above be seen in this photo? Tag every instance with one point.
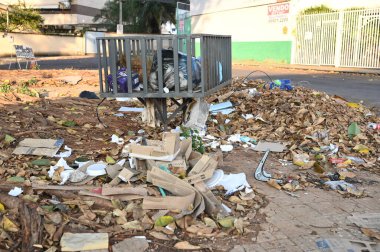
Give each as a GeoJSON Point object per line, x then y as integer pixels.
{"type": "Point", "coordinates": [272, 51]}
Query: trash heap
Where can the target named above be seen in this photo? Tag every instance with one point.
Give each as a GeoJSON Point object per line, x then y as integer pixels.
{"type": "Point", "coordinates": [325, 135]}
{"type": "Point", "coordinates": [160, 188]}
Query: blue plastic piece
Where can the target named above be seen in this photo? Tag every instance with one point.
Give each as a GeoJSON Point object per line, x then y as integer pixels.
{"type": "Point", "coordinates": [282, 84]}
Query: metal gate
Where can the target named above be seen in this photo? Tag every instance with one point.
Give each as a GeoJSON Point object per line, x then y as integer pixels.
{"type": "Point", "coordinates": [341, 39]}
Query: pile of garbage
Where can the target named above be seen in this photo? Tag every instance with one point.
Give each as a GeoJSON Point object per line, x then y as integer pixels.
{"type": "Point", "coordinates": [160, 187]}
{"type": "Point", "coordinates": [321, 133]}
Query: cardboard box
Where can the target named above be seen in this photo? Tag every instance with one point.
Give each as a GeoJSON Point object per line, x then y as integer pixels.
{"type": "Point", "coordinates": [165, 150]}
{"type": "Point", "coordinates": [38, 147]}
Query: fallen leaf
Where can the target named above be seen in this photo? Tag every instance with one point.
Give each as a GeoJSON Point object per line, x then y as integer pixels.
{"type": "Point", "coordinates": [372, 233]}
{"type": "Point", "coordinates": [9, 139]}
{"type": "Point", "coordinates": [16, 179]}
{"type": "Point", "coordinates": [185, 245]}
{"type": "Point", "coordinates": [164, 220]}
{"type": "Point", "coordinates": [234, 199]}
{"type": "Point", "coordinates": [239, 225]}
{"type": "Point", "coordinates": [8, 225]}
{"type": "Point", "coordinates": [159, 235]}
{"type": "Point", "coordinates": [110, 160]}
{"type": "Point", "coordinates": [41, 162]}
{"type": "Point", "coordinates": [273, 183]}
{"type": "Point", "coordinates": [240, 208]}
{"type": "Point", "coordinates": [353, 130]}
{"type": "Point", "coordinates": [71, 131]}
{"type": "Point", "coordinates": [227, 222]}
{"type": "Point", "coordinates": [2, 208]}
{"type": "Point", "coordinates": [132, 225]}
{"type": "Point", "coordinates": [210, 223]}
{"type": "Point", "coordinates": [362, 149]}
{"type": "Point", "coordinates": [69, 123]}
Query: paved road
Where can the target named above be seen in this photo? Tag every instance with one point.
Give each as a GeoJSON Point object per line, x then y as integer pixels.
{"type": "Point", "coordinates": [354, 87]}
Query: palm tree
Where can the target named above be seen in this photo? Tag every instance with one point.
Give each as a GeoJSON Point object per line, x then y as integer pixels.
{"type": "Point", "coordinates": [139, 16]}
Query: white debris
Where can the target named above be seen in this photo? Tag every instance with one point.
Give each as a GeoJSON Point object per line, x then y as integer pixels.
{"type": "Point", "coordinates": [226, 148]}
{"type": "Point", "coordinates": [65, 154]}
{"type": "Point", "coordinates": [16, 191]}
{"type": "Point", "coordinates": [116, 139]}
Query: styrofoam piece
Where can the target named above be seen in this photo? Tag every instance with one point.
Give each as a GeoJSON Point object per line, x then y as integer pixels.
{"type": "Point", "coordinates": [96, 170]}
{"type": "Point", "coordinates": [215, 179]}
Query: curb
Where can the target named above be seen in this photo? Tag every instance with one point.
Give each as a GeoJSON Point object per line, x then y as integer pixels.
{"type": "Point", "coordinates": [321, 69]}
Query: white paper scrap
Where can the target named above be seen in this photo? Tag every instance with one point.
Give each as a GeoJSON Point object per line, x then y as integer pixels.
{"type": "Point", "coordinates": [130, 109]}
{"type": "Point", "coordinates": [65, 154]}
{"type": "Point", "coordinates": [116, 139]}
{"type": "Point", "coordinates": [16, 191]}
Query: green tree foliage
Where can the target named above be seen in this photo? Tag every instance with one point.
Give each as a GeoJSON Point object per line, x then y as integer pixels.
{"type": "Point", "coordinates": [21, 18]}
{"type": "Point", "coordinates": [317, 9]}
{"type": "Point", "coordinates": [138, 16]}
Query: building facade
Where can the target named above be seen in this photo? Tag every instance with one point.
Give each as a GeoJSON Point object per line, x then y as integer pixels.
{"type": "Point", "coordinates": [66, 14]}
{"type": "Point", "coordinates": [261, 30]}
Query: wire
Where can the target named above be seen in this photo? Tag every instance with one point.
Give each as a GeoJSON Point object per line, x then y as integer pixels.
{"type": "Point", "coordinates": [97, 113]}
{"type": "Point", "coordinates": [258, 71]}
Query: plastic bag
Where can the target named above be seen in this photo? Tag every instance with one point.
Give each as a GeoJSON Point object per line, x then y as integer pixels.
{"type": "Point", "coordinates": [122, 80]}
{"type": "Point", "coordinates": [168, 70]}
{"type": "Point", "coordinates": [198, 115]}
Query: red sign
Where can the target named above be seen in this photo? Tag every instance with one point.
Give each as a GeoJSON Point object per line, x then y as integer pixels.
{"type": "Point", "coordinates": [278, 9]}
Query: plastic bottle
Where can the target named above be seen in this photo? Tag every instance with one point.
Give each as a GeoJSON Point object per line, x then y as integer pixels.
{"type": "Point", "coordinates": [283, 84]}
{"type": "Point", "coordinates": [375, 126]}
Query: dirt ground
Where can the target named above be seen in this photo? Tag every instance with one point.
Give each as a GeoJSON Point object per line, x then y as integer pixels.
{"type": "Point", "coordinates": [277, 220]}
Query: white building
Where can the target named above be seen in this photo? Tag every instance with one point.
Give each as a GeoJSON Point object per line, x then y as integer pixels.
{"type": "Point", "coordinates": [64, 12]}
{"type": "Point", "coordinates": [262, 30]}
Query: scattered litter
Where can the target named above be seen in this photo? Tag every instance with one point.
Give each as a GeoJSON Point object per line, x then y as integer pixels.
{"type": "Point", "coordinates": [374, 126]}
{"type": "Point", "coordinates": [339, 185]}
{"type": "Point", "coordinates": [281, 84]}
{"type": "Point", "coordinates": [65, 154]}
{"type": "Point", "coordinates": [225, 108]}
{"type": "Point", "coordinates": [84, 241]}
{"type": "Point", "coordinates": [16, 191]}
{"type": "Point", "coordinates": [197, 117]}
{"type": "Point", "coordinates": [97, 169]}
{"type": "Point", "coordinates": [119, 115]}
{"type": "Point", "coordinates": [116, 139]}
{"type": "Point", "coordinates": [215, 179]}
{"type": "Point", "coordinates": [353, 130]}
{"type": "Point", "coordinates": [302, 160]}
{"type": "Point", "coordinates": [165, 150]}
{"type": "Point", "coordinates": [226, 147]}
{"type": "Point", "coordinates": [130, 109]}
{"type": "Point", "coordinates": [61, 171]}
{"type": "Point", "coordinates": [274, 147]}
{"type": "Point", "coordinates": [88, 95]}
{"type": "Point", "coordinates": [247, 116]}
{"type": "Point", "coordinates": [123, 99]}
{"type": "Point", "coordinates": [38, 147]}
{"type": "Point", "coordinates": [231, 182]}
{"type": "Point", "coordinates": [338, 245]}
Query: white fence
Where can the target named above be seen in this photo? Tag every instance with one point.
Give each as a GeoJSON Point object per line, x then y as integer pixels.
{"type": "Point", "coordinates": [341, 39]}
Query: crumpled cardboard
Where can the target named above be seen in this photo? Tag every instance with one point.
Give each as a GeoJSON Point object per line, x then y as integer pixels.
{"type": "Point", "coordinates": [165, 150]}
{"type": "Point", "coordinates": [186, 198]}
{"type": "Point", "coordinates": [38, 147]}
{"type": "Point", "coordinates": [138, 190]}
{"type": "Point", "coordinates": [84, 241]}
